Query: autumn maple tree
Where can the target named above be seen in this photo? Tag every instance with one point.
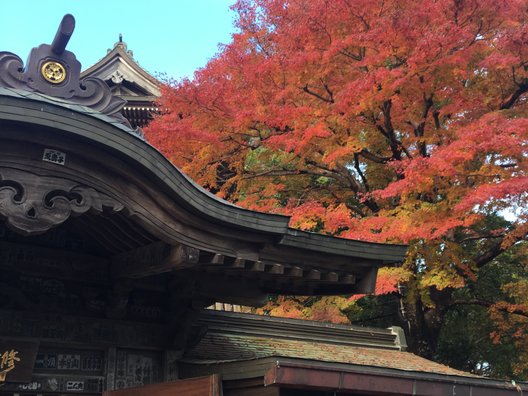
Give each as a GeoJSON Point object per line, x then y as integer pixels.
{"type": "Point", "coordinates": [380, 120]}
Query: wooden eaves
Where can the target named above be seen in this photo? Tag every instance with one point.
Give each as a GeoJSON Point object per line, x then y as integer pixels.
{"type": "Point", "coordinates": [112, 159]}
{"type": "Point", "coordinates": [69, 158]}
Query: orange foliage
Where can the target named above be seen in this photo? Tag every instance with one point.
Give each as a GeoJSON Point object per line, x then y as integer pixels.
{"type": "Point", "coordinates": [428, 93]}
{"type": "Point", "coordinates": [379, 120]}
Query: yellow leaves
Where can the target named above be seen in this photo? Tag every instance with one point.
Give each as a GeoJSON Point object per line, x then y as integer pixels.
{"type": "Point", "coordinates": [442, 278]}
{"type": "Point", "coordinates": [518, 290]}
{"type": "Point", "coordinates": [437, 266]}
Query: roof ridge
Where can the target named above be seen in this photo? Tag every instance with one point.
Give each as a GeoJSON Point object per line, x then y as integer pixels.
{"type": "Point", "coordinates": [120, 50]}
{"type": "Point", "coordinates": [221, 322]}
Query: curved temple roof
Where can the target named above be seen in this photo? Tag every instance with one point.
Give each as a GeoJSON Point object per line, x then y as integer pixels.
{"type": "Point", "coordinates": [119, 65]}
{"type": "Point", "coordinates": [107, 173]}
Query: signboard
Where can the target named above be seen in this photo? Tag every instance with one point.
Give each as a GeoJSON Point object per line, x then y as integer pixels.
{"type": "Point", "coordinates": [17, 359]}
{"type": "Point", "coordinates": [137, 368]}
{"type": "Point", "coordinates": [200, 386]}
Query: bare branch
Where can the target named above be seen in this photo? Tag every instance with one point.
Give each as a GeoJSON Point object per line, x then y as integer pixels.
{"type": "Point", "coordinates": [330, 99]}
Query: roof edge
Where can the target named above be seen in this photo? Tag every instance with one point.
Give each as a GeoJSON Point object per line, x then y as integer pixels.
{"type": "Point", "coordinates": [295, 372]}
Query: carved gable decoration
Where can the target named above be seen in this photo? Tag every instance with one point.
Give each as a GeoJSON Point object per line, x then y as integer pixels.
{"type": "Point", "coordinates": [54, 71]}
{"type": "Point", "coordinates": [32, 204]}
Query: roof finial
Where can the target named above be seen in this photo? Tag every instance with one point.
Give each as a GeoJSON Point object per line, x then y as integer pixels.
{"type": "Point", "coordinates": [120, 38]}
{"type": "Point", "coordinates": [63, 35]}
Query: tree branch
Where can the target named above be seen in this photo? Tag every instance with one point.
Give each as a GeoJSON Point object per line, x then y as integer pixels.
{"type": "Point", "coordinates": [388, 131]}
{"type": "Point", "coordinates": [491, 254]}
{"type": "Point", "coordinates": [522, 87]}
{"type": "Point", "coordinates": [330, 99]}
{"type": "Point", "coordinates": [488, 304]}
{"type": "Point", "coordinates": [373, 157]}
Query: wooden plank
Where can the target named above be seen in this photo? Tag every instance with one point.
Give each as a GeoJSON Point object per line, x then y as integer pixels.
{"type": "Point", "coordinates": [153, 259]}
{"type": "Point", "coordinates": [201, 386]}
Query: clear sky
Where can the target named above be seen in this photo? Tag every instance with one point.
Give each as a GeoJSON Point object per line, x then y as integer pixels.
{"type": "Point", "coordinates": [173, 37]}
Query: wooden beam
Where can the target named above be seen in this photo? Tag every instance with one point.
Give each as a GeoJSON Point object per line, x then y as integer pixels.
{"type": "Point", "coordinates": [153, 259]}
{"type": "Point", "coordinates": [258, 266]}
{"type": "Point", "coordinates": [295, 272]}
{"type": "Point", "coordinates": [347, 279]}
{"type": "Point", "coordinates": [239, 263]}
{"type": "Point", "coordinates": [218, 259]}
{"type": "Point", "coordinates": [228, 289]}
{"type": "Point", "coordinates": [276, 269]}
{"type": "Point", "coordinates": [313, 275]}
{"type": "Point", "coordinates": [330, 277]}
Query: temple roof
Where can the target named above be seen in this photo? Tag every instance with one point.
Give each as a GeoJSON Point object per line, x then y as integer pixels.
{"type": "Point", "coordinates": [245, 242]}
{"type": "Point", "coordinates": [124, 75]}
{"type": "Point", "coordinates": [148, 217]}
{"type": "Point", "coordinates": [128, 81]}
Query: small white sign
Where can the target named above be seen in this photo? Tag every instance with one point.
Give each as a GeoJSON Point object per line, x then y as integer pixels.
{"type": "Point", "coordinates": [54, 156]}
{"type": "Point", "coordinates": [75, 386]}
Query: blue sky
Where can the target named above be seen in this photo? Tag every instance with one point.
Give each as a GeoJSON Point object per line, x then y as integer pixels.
{"type": "Point", "coordinates": [173, 37]}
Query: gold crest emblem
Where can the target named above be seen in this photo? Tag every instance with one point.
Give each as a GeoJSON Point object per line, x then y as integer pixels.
{"type": "Point", "coordinates": [53, 72]}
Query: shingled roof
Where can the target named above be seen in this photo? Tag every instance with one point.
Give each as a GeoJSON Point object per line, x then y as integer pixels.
{"type": "Point", "coordinates": [280, 352]}
{"type": "Point", "coordinates": [234, 337]}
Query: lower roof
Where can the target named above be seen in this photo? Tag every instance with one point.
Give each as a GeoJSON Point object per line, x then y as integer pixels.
{"type": "Point", "coordinates": [236, 337]}
{"type": "Point", "coordinates": [311, 355]}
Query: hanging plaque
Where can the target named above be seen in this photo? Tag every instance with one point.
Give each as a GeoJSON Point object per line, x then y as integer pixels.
{"type": "Point", "coordinates": [17, 359]}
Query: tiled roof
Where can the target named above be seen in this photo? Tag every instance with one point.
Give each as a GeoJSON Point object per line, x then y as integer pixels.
{"type": "Point", "coordinates": [234, 347]}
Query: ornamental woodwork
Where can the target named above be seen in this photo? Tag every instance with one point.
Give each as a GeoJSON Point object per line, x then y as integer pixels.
{"type": "Point", "coordinates": [54, 71]}
{"type": "Point", "coordinates": [32, 204]}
